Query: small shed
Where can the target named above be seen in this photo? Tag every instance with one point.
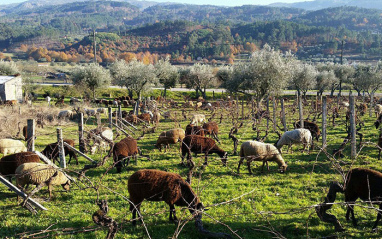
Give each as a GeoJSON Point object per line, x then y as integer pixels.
{"type": "Point", "coordinates": [11, 88]}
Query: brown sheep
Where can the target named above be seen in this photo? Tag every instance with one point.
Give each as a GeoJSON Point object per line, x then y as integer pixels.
{"type": "Point", "coordinates": [170, 137]}
{"type": "Point", "coordinates": [145, 117]}
{"type": "Point", "coordinates": [9, 163]}
{"type": "Point", "coordinates": [362, 183]}
{"type": "Point", "coordinates": [194, 130]}
{"type": "Point", "coordinates": [211, 128]}
{"type": "Point", "coordinates": [311, 126]}
{"type": "Point", "coordinates": [199, 144]}
{"type": "Point", "coordinates": [131, 118]}
{"type": "Point", "coordinates": [379, 145]}
{"type": "Point", "coordinates": [362, 109]}
{"type": "Point", "coordinates": [156, 185]}
{"type": "Point", "coordinates": [127, 147]}
{"type": "Point", "coordinates": [51, 151]}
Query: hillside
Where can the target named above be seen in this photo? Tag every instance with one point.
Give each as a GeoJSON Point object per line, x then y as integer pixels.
{"type": "Point", "coordinates": [321, 4]}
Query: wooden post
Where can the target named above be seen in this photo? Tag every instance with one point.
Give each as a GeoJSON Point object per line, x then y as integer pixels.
{"type": "Point", "coordinates": [252, 105]}
{"type": "Point", "coordinates": [324, 114]}
{"type": "Point", "coordinates": [300, 112]}
{"type": "Point", "coordinates": [213, 95]}
{"type": "Point", "coordinates": [110, 118]}
{"type": "Point", "coordinates": [81, 133]}
{"type": "Point", "coordinates": [352, 128]}
{"type": "Point", "coordinates": [136, 108]}
{"type": "Point", "coordinates": [242, 108]}
{"type": "Point", "coordinates": [61, 152]}
{"type": "Point", "coordinates": [371, 104]}
{"type": "Point", "coordinates": [30, 134]}
{"type": "Point", "coordinates": [119, 111]}
{"type": "Point", "coordinates": [283, 115]}
{"type": "Point", "coordinates": [268, 113]}
{"type": "Point", "coordinates": [274, 113]}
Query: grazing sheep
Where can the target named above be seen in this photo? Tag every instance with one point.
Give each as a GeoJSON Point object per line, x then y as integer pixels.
{"type": "Point", "coordinates": [90, 112]}
{"type": "Point", "coordinates": [311, 126]}
{"type": "Point", "coordinates": [156, 185]}
{"type": "Point", "coordinates": [66, 114]}
{"type": "Point", "coordinates": [74, 100]}
{"type": "Point", "coordinates": [211, 128]}
{"type": "Point", "coordinates": [362, 108]}
{"type": "Point", "coordinates": [194, 130]}
{"type": "Point", "coordinates": [379, 145]}
{"type": "Point", "coordinates": [297, 136]}
{"type": "Point", "coordinates": [102, 111]}
{"type": "Point", "coordinates": [51, 151]}
{"type": "Point", "coordinates": [40, 174]}
{"type": "Point", "coordinates": [102, 138]}
{"type": "Point", "coordinates": [344, 104]}
{"type": "Point", "coordinates": [199, 144]}
{"type": "Point", "coordinates": [170, 137]}
{"type": "Point", "coordinates": [198, 105]}
{"type": "Point", "coordinates": [362, 183]}
{"type": "Point", "coordinates": [258, 151]}
{"type": "Point", "coordinates": [156, 117]}
{"type": "Point", "coordinates": [9, 163]}
{"type": "Point", "coordinates": [126, 148]}
{"type": "Point", "coordinates": [11, 146]}
{"type": "Point", "coordinates": [146, 117]}
{"type": "Point", "coordinates": [198, 118]}
{"type": "Point", "coordinates": [131, 118]}
{"type": "Point", "coordinates": [378, 110]}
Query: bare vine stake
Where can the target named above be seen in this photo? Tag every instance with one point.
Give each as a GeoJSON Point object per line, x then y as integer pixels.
{"type": "Point", "coordinates": [119, 112]}
{"type": "Point", "coordinates": [324, 114]}
{"type": "Point", "coordinates": [61, 152]}
{"type": "Point", "coordinates": [371, 104]}
{"type": "Point", "coordinates": [242, 108]}
{"type": "Point", "coordinates": [300, 111]}
{"type": "Point", "coordinates": [268, 113]}
{"type": "Point", "coordinates": [353, 129]}
{"type": "Point", "coordinates": [81, 133]}
{"type": "Point", "coordinates": [283, 115]}
{"type": "Point", "coordinates": [110, 118]}
{"type": "Point", "coordinates": [252, 105]}
{"type": "Point", "coordinates": [274, 114]}
{"type": "Point", "coordinates": [30, 134]}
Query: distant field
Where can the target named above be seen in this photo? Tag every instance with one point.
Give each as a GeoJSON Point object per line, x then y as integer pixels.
{"type": "Point", "coordinates": [262, 205]}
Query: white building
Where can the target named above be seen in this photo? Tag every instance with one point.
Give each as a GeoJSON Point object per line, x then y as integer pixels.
{"type": "Point", "coordinates": [11, 88]}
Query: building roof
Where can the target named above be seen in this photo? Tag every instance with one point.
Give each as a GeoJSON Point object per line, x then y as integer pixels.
{"type": "Point", "coordinates": [4, 79]}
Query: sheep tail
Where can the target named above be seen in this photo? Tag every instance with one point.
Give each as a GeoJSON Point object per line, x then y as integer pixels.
{"type": "Point", "coordinates": [327, 204]}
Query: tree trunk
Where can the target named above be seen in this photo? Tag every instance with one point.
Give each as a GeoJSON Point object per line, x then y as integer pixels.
{"type": "Point", "coordinates": [204, 94]}
{"type": "Point", "coordinates": [130, 93]}
{"type": "Point", "coordinates": [340, 89]}
{"type": "Point", "coordinates": [332, 92]}
{"type": "Point", "coordinates": [165, 92]}
{"type": "Point", "coordinates": [139, 95]}
{"type": "Point", "coordinates": [93, 93]}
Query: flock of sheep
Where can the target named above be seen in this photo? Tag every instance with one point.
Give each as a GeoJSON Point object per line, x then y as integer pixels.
{"type": "Point", "coordinates": [156, 185]}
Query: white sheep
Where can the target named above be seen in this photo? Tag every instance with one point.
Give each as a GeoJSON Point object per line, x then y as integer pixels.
{"type": "Point", "coordinates": [198, 118]}
{"type": "Point", "coordinates": [90, 112]}
{"type": "Point", "coordinates": [40, 174]}
{"type": "Point", "coordinates": [102, 111]}
{"type": "Point", "coordinates": [99, 142]}
{"type": "Point", "coordinates": [258, 151]}
{"type": "Point", "coordinates": [378, 110]}
{"type": "Point", "coordinates": [11, 146]}
{"type": "Point", "coordinates": [65, 114]}
{"type": "Point", "coordinates": [297, 136]}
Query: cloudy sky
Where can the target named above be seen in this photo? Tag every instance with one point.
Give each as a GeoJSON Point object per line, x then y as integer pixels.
{"type": "Point", "coordinates": [211, 2]}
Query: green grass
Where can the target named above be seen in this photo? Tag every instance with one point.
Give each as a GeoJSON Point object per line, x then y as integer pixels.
{"type": "Point", "coordinates": [278, 202]}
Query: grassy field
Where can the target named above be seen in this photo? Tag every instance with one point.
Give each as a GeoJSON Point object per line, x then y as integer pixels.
{"type": "Point", "coordinates": [262, 205]}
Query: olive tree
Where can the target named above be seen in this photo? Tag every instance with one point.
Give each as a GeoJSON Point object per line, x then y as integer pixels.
{"type": "Point", "coordinates": [267, 73]}
{"type": "Point", "coordinates": [335, 82]}
{"type": "Point", "coordinates": [135, 76]}
{"type": "Point", "coordinates": [167, 74]}
{"type": "Point", "coordinates": [367, 78]}
{"type": "Point", "coordinates": [344, 73]}
{"type": "Point", "coordinates": [224, 73]}
{"type": "Point", "coordinates": [325, 80]}
{"type": "Point", "coordinates": [92, 76]}
{"type": "Point", "coordinates": [303, 77]}
{"type": "Point", "coordinates": [8, 68]}
{"type": "Point", "coordinates": [200, 77]}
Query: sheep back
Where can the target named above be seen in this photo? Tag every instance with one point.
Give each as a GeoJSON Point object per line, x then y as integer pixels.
{"type": "Point", "coordinates": [11, 146]}
{"type": "Point", "coordinates": [156, 185]}
{"type": "Point", "coordinates": [9, 163]}
{"type": "Point", "coordinates": [296, 136]}
{"type": "Point", "coordinates": [364, 184]}
{"type": "Point", "coordinates": [37, 173]}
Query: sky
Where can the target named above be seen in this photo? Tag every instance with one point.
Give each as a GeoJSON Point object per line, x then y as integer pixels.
{"type": "Point", "coordinates": [200, 2]}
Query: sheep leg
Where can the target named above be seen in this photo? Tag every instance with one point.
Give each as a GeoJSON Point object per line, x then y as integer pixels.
{"type": "Point", "coordinates": [378, 218]}
{"type": "Point", "coordinates": [379, 154]}
{"type": "Point", "coordinates": [351, 210]}
{"type": "Point", "coordinates": [38, 188]}
{"type": "Point", "coordinates": [134, 209]}
{"type": "Point", "coordinates": [173, 217]}
{"type": "Point", "coordinates": [240, 162]}
{"type": "Point", "coordinates": [249, 166]}
{"type": "Point", "coordinates": [205, 159]}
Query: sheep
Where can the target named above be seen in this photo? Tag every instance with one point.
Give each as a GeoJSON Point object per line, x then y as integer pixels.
{"type": "Point", "coordinates": [51, 151]}
{"type": "Point", "coordinates": [211, 128]}
{"type": "Point", "coordinates": [90, 112]}
{"type": "Point", "coordinates": [40, 174]}
{"type": "Point", "coordinates": [65, 114]}
{"type": "Point", "coordinates": [194, 130]}
{"type": "Point", "coordinates": [378, 110]}
{"type": "Point", "coordinates": [198, 118]}
{"type": "Point", "coordinates": [9, 163]}
{"type": "Point", "coordinates": [145, 117]}
{"type": "Point", "coordinates": [198, 105]}
{"type": "Point", "coordinates": [362, 108]}
{"type": "Point", "coordinates": [127, 147]}
{"type": "Point", "coordinates": [258, 151]}
{"type": "Point", "coordinates": [156, 185]}
{"type": "Point", "coordinates": [133, 119]}
{"type": "Point", "coordinates": [311, 126]}
{"type": "Point", "coordinates": [297, 136]}
{"type": "Point", "coordinates": [102, 111]}
{"type": "Point", "coordinates": [359, 183]}
{"type": "Point", "coordinates": [102, 138]}
{"type": "Point", "coordinates": [156, 117]}
{"type": "Point", "coordinates": [11, 146]}
{"type": "Point", "coordinates": [74, 100]}
{"type": "Point", "coordinates": [379, 145]}
{"type": "Point", "coordinates": [199, 144]}
{"type": "Point", "coordinates": [170, 137]}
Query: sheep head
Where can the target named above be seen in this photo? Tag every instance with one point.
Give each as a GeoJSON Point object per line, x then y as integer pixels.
{"type": "Point", "coordinates": [66, 185]}
{"type": "Point", "coordinates": [283, 168]}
